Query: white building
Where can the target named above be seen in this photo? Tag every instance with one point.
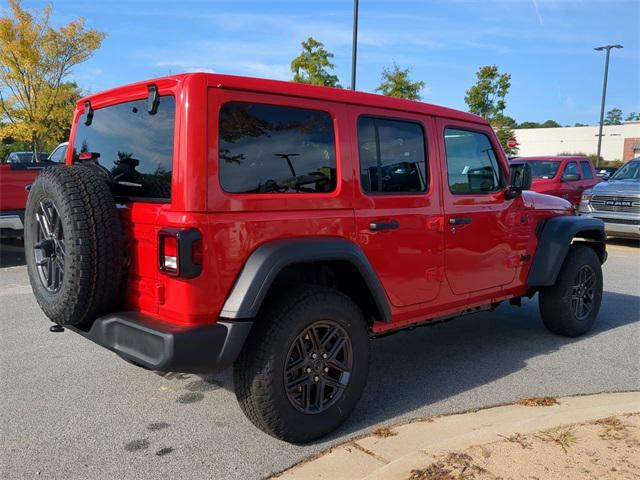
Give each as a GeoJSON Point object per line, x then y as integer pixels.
{"type": "Point", "coordinates": [619, 142]}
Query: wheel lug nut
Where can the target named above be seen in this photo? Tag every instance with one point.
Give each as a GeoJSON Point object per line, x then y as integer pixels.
{"type": "Point", "coordinates": [324, 355]}
{"type": "Point", "coordinates": [316, 378]}
{"type": "Point", "coordinates": [314, 355]}
{"type": "Point", "coordinates": [308, 370]}
{"type": "Point", "coordinates": [326, 369]}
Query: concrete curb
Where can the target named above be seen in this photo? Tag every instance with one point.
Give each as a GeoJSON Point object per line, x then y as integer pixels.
{"type": "Point", "coordinates": [412, 444]}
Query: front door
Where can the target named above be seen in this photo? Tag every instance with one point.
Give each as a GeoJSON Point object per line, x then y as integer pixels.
{"type": "Point", "coordinates": [478, 217]}
{"type": "Point", "coordinates": [398, 207]}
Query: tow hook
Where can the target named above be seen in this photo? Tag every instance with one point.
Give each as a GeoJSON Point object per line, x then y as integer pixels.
{"type": "Point", "coordinates": [56, 328]}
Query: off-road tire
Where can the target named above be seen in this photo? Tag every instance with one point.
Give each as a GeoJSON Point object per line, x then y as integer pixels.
{"type": "Point", "coordinates": [93, 242]}
{"type": "Point", "coordinates": [258, 371]}
{"type": "Point", "coordinates": [555, 302]}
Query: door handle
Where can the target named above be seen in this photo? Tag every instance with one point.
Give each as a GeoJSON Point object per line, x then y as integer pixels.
{"type": "Point", "coordinates": [388, 225]}
{"type": "Point", "coordinates": [459, 221]}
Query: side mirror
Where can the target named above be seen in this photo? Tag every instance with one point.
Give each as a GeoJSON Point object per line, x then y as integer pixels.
{"type": "Point", "coordinates": [570, 177]}
{"type": "Point", "coordinates": [519, 179]}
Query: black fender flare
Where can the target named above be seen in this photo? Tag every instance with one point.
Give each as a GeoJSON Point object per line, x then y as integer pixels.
{"type": "Point", "coordinates": [554, 239]}
{"type": "Point", "coordinates": [264, 264]}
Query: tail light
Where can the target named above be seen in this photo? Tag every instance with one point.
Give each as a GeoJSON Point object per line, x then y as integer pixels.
{"type": "Point", "coordinates": [180, 252]}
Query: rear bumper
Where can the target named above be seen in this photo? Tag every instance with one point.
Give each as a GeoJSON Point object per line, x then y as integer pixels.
{"type": "Point", "coordinates": [153, 344]}
{"type": "Point", "coordinates": [12, 223]}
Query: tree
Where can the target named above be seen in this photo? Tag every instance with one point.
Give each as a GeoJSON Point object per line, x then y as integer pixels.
{"type": "Point", "coordinates": [529, 125]}
{"type": "Point", "coordinates": [396, 83]}
{"type": "Point", "coordinates": [550, 124]}
{"type": "Point", "coordinates": [313, 64]}
{"type": "Point", "coordinates": [613, 117]}
{"type": "Point", "coordinates": [36, 101]}
{"type": "Point", "coordinates": [487, 96]}
{"type": "Point", "coordinates": [578, 124]}
{"type": "Point", "coordinates": [632, 117]}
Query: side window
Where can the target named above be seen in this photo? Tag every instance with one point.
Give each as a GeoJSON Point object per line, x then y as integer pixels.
{"type": "Point", "coordinates": [571, 169]}
{"type": "Point", "coordinates": [587, 174]}
{"type": "Point", "coordinates": [275, 149]}
{"type": "Point", "coordinates": [58, 155]}
{"type": "Point", "coordinates": [392, 156]}
{"type": "Point", "coordinates": [472, 165]}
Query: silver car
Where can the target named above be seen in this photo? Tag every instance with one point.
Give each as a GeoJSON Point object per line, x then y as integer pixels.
{"type": "Point", "coordinates": [616, 202]}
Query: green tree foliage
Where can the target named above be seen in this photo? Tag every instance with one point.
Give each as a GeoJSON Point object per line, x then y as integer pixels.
{"type": "Point", "coordinates": [396, 83]}
{"type": "Point", "coordinates": [487, 96]}
{"type": "Point", "coordinates": [613, 117]}
{"type": "Point", "coordinates": [529, 125]}
{"type": "Point", "coordinates": [578, 124]}
{"type": "Point", "coordinates": [313, 65]}
{"type": "Point", "coordinates": [550, 124]}
{"type": "Point", "coordinates": [632, 117]}
{"type": "Point", "coordinates": [36, 101]}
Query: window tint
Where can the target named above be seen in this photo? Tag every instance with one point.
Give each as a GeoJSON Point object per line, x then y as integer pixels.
{"type": "Point", "coordinates": [472, 166]}
{"type": "Point", "coordinates": [134, 146]}
{"type": "Point", "coordinates": [571, 169]}
{"type": "Point", "coordinates": [275, 149]}
{"type": "Point", "coordinates": [392, 156]}
{"type": "Point", "coordinates": [586, 170]}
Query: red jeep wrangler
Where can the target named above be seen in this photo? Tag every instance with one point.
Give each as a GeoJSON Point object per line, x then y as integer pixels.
{"type": "Point", "coordinates": [204, 220]}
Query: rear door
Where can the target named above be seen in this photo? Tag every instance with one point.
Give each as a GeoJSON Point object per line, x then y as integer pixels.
{"type": "Point", "coordinates": [398, 207]}
{"type": "Point", "coordinates": [478, 217]}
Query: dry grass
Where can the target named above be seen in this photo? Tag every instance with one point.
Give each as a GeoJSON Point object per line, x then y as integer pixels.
{"type": "Point", "coordinates": [613, 427]}
{"type": "Point", "coordinates": [565, 437]}
{"type": "Point", "coordinates": [538, 402]}
{"type": "Point", "coordinates": [384, 432]}
{"type": "Point", "coordinates": [518, 438]}
{"type": "Point", "coordinates": [455, 466]}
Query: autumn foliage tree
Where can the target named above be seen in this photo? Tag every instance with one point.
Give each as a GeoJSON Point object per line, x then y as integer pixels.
{"type": "Point", "coordinates": [396, 82]}
{"type": "Point", "coordinates": [36, 98]}
{"type": "Point", "coordinates": [313, 65]}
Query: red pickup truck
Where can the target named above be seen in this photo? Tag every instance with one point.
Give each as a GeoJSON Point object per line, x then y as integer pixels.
{"type": "Point", "coordinates": [562, 176]}
{"type": "Point", "coordinates": [16, 178]}
{"type": "Point", "coordinates": [205, 220]}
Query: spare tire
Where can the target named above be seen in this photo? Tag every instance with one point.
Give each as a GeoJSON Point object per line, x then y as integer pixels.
{"type": "Point", "coordinates": [73, 244]}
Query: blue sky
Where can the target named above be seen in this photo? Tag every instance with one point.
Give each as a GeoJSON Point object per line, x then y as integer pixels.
{"type": "Point", "coordinates": [546, 45]}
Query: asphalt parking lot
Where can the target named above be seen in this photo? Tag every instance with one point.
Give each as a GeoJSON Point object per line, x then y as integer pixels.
{"type": "Point", "coordinates": [70, 409]}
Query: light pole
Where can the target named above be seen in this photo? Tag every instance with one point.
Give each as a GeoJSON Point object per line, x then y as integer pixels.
{"type": "Point", "coordinates": [354, 46]}
{"type": "Point", "coordinates": [604, 93]}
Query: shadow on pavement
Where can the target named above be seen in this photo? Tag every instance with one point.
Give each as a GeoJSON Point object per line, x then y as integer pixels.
{"type": "Point", "coordinates": [624, 242]}
{"type": "Point", "coordinates": [11, 253]}
{"type": "Point", "coordinates": [412, 369]}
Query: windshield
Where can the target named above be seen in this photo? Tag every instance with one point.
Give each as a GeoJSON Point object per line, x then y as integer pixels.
{"type": "Point", "coordinates": [133, 145]}
{"type": "Point", "coordinates": [544, 169]}
{"type": "Point", "coordinates": [631, 171]}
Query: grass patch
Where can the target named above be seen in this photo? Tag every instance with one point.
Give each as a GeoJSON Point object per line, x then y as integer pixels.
{"type": "Point", "coordinates": [454, 466]}
{"type": "Point", "coordinates": [564, 437]}
{"type": "Point", "coordinates": [612, 426]}
{"type": "Point", "coordinates": [518, 438]}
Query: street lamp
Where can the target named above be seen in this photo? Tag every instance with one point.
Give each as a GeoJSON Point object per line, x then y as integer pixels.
{"type": "Point", "coordinates": [604, 93]}
{"type": "Point", "coordinates": [354, 46]}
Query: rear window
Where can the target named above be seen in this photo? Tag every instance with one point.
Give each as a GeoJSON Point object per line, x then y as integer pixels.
{"type": "Point", "coordinates": [544, 169]}
{"type": "Point", "coordinates": [275, 149]}
{"type": "Point", "coordinates": [133, 145]}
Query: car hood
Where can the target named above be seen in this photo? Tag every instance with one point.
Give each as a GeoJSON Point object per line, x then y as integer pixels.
{"type": "Point", "coordinates": [617, 187]}
{"type": "Point", "coordinates": [540, 201]}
